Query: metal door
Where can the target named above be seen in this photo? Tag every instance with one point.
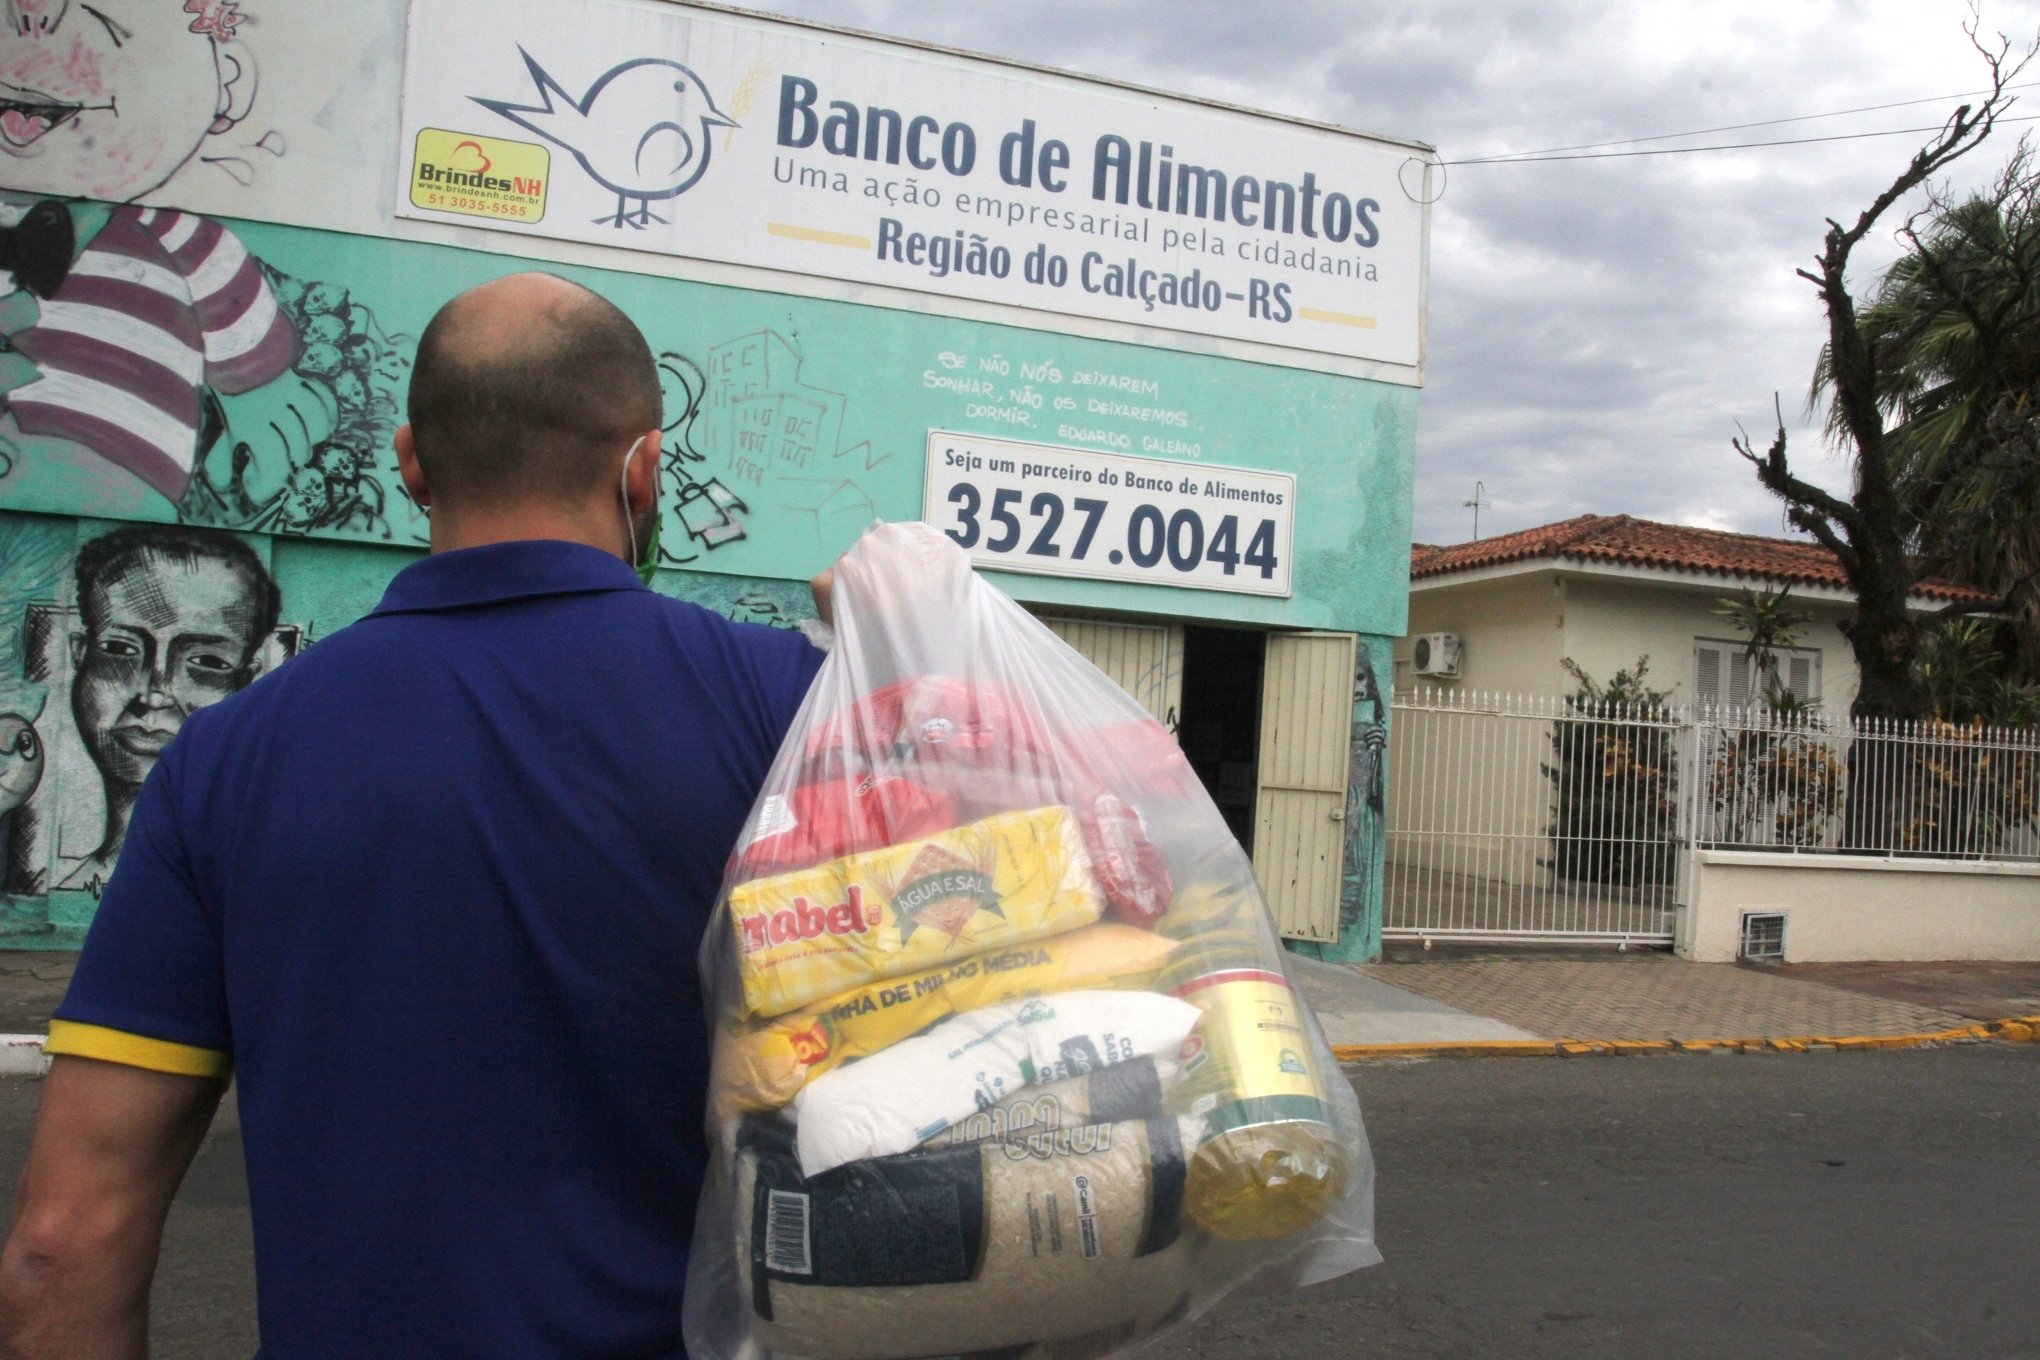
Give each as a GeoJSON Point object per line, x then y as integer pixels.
{"type": "Point", "coordinates": [1144, 659]}
{"type": "Point", "coordinates": [1300, 811]}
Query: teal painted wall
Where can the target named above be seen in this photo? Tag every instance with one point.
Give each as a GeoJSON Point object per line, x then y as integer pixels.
{"type": "Point", "coordinates": [793, 423]}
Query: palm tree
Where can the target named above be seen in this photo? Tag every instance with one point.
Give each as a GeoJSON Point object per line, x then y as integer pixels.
{"type": "Point", "coordinates": [1955, 325]}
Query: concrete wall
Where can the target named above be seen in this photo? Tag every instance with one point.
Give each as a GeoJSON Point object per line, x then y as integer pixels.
{"type": "Point", "coordinates": [1511, 631]}
{"type": "Point", "coordinates": [1848, 908]}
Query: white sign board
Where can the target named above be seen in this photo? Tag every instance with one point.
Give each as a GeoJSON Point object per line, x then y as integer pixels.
{"type": "Point", "coordinates": [738, 139]}
{"type": "Point", "coordinates": [1054, 511]}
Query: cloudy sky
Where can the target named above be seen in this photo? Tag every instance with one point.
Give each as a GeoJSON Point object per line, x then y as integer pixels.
{"type": "Point", "coordinates": [1598, 328]}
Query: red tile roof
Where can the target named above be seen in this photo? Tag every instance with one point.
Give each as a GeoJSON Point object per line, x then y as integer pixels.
{"type": "Point", "coordinates": [1625, 541]}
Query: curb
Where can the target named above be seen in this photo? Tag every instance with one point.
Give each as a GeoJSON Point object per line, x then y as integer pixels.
{"type": "Point", "coordinates": [21, 1055]}
{"type": "Point", "coordinates": [2018, 1029]}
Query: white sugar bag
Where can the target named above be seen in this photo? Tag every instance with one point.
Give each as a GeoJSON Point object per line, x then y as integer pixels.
{"type": "Point", "coordinates": [906, 1094]}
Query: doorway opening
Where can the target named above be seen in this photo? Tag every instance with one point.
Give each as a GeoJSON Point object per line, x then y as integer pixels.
{"type": "Point", "coordinates": [1220, 727]}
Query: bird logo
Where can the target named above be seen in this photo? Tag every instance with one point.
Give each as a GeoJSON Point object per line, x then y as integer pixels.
{"type": "Point", "coordinates": [642, 131]}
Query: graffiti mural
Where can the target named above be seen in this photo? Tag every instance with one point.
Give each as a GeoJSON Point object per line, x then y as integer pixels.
{"type": "Point", "coordinates": [709, 513]}
{"type": "Point", "coordinates": [1366, 824]}
{"type": "Point", "coordinates": [311, 452]}
{"type": "Point", "coordinates": [109, 100]}
{"type": "Point", "coordinates": [1366, 812]}
{"type": "Point", "coordinates": [126, 338]}
{"type": "Point", "coordinates": [768, 425]}
{"type": "Point", "coordinates": [116, 637]}
{"type": "Point", "coordinates": [146, 351]}
{"type": "Point", "coordinates": [160, 353]}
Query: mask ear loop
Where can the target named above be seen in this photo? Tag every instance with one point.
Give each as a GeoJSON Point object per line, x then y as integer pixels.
{"type": "Point", "coordinates": [623, 493]}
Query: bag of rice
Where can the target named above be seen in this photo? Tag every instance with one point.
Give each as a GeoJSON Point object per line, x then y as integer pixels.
{"type": "Point", "coordinates": [1007, 1058]}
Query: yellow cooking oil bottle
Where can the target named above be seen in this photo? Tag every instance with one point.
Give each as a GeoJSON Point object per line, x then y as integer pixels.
{"type": "Point", "coordinates": [1271, 1160]}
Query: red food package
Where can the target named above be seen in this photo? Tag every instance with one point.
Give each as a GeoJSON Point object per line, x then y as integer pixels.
{"type": "Point", "coordinates": [938, 719]}
{"type": "Point", "coordinates": [820, 822]}
{"type": "Point", "coordinates": [1129, 867]}
{"type": "Point", "coordinates": [1143, 756]}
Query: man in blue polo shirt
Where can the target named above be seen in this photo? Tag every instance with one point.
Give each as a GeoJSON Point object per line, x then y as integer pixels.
{"type": "Point", "coordinates": [433, 892]}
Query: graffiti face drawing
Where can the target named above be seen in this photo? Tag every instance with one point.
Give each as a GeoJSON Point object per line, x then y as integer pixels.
{"type": "Point", "coordinates": [21, 761]}
{"type": "Point", "coordinates": [108, 100]}
{"type": "Point", "coordinates": [171, 620]}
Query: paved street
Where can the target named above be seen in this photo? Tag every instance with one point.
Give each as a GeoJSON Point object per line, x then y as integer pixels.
{"type": "Point", "coordinates": [1861, 1205]}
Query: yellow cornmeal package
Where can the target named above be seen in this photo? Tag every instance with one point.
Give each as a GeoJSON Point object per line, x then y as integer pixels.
{"type": "Point", "coordinates": [816, 932]}
{"type": "Point", "coordinates": [764, 1064]}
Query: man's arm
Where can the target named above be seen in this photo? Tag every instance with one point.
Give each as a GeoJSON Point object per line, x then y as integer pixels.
{"type": "Point", "coordinates": [823, 588]}
{"type": "Point", "coordinates": [112, 1142]}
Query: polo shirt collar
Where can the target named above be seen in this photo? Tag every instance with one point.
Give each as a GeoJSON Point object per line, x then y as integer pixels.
{"type": "Point", "coordinates": [499, 572]}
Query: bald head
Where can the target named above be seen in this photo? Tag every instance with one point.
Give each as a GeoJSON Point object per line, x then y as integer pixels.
{"type": "Point", "coordinates": [526, 388]}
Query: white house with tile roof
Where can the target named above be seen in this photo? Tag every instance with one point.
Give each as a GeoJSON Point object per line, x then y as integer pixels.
{"type": "Point", "coordinates": [1604, 590]}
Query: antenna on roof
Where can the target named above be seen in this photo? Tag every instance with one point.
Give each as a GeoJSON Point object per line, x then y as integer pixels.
{"type": "Point", "coordinates": [1475, 504]}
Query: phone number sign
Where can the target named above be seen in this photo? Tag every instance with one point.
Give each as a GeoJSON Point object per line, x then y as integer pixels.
{"type": "Point", "coordinates": [1111, 516]}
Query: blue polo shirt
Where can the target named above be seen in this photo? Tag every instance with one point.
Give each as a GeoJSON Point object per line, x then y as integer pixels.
{"type": "Point", "coordinates": [436, 890]}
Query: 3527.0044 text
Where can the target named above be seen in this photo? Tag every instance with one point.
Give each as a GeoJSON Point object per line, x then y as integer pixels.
{"type": "Point", "coordinates": [1152, 537]}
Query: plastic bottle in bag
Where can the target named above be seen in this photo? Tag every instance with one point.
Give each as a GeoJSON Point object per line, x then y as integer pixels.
{"type": "Point", "coordinates": [1271, 1160]}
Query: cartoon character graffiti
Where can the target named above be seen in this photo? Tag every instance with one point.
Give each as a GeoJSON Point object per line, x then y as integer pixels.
{"type": "Point", "coordinates": [708, 510]}
{"type": "Point", "coordinates": [117, 320]}
{"type": "Point", "coordinates": [109, 100]}
{"type": "Point", "coordinates": [169, 620]}
{"type": "Point", "coordinates": [154, 340]}
{"type": "Point", "coordinates": [21, 772]}
{"type": "Point", "coordinates": [642, 131]}
{"type": "Point", "coordinates": [311, 453]}
{"type": "Point", "coordinates": [1364, 794]}
{"type": "Point", "coordinates": [155, 308]}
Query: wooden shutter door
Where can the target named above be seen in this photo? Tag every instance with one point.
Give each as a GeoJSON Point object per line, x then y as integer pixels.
{"type": "Point", "coordinates": [1300, 813]}
{"type": "Point", "coordinates": [1144, 659]}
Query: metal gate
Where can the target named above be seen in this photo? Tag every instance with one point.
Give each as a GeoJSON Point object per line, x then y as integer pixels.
{"type": "Point", "coordinates": [1514, 817]}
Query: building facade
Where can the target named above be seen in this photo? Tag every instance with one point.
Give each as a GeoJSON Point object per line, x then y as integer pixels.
{"type": "Point", "coordinates": [862, 266]}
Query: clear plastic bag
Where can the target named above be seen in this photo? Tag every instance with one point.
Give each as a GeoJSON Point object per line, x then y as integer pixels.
{"type": "Point", "coordinates": [1007, 1056]}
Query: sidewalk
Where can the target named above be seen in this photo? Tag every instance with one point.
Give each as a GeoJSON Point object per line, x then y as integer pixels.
{"type": "Point", "coordinates": [32, 982]}
{"type": "Point", "coordinates": [1531, 1001]}
{"type": "Point", "coordinates": [1480, 1001]}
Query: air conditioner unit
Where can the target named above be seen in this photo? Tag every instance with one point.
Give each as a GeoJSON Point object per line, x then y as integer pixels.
{"type": "Point", "coordinates": [1435, 654]}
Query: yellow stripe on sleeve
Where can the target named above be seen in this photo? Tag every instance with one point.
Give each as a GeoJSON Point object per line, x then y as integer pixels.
{"type": "Point", "coordinates": [75, 1040]}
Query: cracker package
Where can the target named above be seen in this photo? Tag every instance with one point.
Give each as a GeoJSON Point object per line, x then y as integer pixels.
{"type": "Point", "coordinates": [1007, 1057]}
{"type": "Point", "coordinates": [811, 933]}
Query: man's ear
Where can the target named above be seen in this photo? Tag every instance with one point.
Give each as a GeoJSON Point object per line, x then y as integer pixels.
{"type": "Point", "coordinates": [408, 468]}
{"type": "Point", "coordinates": [641, 480]}
{"type": "Point", "coordinates": [237, 87]}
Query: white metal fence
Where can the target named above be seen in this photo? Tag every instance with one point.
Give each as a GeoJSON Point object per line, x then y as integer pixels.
{"type": "Point", "coordinates": [1537, 818]}
{"type": "Point", "coordinates": [1819, 783]}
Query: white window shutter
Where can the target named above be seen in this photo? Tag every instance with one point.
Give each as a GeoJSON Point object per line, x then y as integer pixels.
{"type": "Point", "coordinates": [1803, 678]}
{"type": "Point", "coordinates": [1738, 680]}
{"type": "Point", "coordinates": [1707, 674]}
